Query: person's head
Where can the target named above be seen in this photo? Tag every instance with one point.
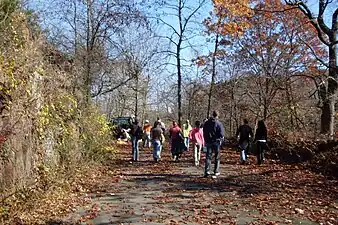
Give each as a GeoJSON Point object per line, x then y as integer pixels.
{"type": "Point", "coordinates": [245, 121]}
{"type": "Point", "coordinates": [187, 122]}
{"type": "Point", "coordinates": [215, 114]}
{"type": "Point", "coordinates": [147, 121]}
{"type": "Point", "coordinates": [261, 124]}
{"type": "Point", "coordinates": [174, 123]}
{"type": "Point", "coordinates": [158, 119]}
{"type": "Point", "coordinates": [197, 124]}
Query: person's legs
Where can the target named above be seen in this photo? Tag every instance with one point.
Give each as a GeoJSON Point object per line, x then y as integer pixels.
{"type": "Point", "coordinates": [243, 147]}
{"type": "Point", "coordinates": [199, 149]}
{"type": "Point", "coordinates": [247, 150]}
{"type": "Point", "coordinates": [243, 156]}
{"type": "Point", "coordinates": [144, 140]}
{"type": "Point", "coordinates": [186, 142]}
{"type": "Point", "coordinates": [259, 152]}
{"type": "Point", "coordinates": [216, 149]}
{"type": "Point", "coordinates": [156, 149]}
{"type": "Point", "coordinates": [133, 148]}
{"type": "Point", "coordinates": [208, 160]}
{"type": "Point", "coordinates": [159, 150]}
{"type": "Point", "coordinates": [136, 150]}
{"type": "Point", "coordinates": [148, 140]}
{"type": "Point", "coordinates": [196, 153]}
{"type": "Point", "coordinates": [180, 149]}
{"type": "Point", "coordinates": [175, 149]}
{"type": "Point", "coordinates": [194, 147]}
{"type": "Point", "coordinates": [263, 149]}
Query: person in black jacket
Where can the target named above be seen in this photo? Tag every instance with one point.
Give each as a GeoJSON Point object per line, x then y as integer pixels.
{"type": "Point", "coordinates": [213, 133]}
{"type": "Point", "coordinates": [244, 132]}
{"type": "Point", "coordinates": [261, 137]}
{"type": "Point", "coordinates": [136, 134]}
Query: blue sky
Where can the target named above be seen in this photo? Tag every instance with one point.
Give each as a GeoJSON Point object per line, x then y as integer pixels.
{"type": "Point", "coordinates": [201, 46]}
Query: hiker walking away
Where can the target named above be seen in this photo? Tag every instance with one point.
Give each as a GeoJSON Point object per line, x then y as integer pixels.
{"type": "Point", "coordinates": [244, 133]}
{"type": "Point", "coordinates": [196, 137]}
{"type": "Point", "coordinates": [136, 134]}
{"type": "Point", "coordinates": [186, 130]}
{"type": "Point", "coordinates": [157, 141]}
{"type": "Point", "coordinates": [213, 133]}
{"type": "Point", "coordinates": [261, 137]}
{"type": "Point", "coordinates": [146, 134]}
{"type": "Point", "coordinates": [175, 135]}
{"type": "Point", "coordinates": [159, 123]}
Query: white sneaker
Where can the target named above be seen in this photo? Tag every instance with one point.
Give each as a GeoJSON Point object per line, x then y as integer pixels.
{"type": "Point", "coordinates": [217, 174]}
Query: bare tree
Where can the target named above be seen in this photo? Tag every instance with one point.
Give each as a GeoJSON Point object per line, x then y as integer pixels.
{"type": "Point", "coordinates": [179, 36]}
{"type": "Point", "coordinates": [86, 33]}
{"type": "Point", "coordinates": [328, 35]}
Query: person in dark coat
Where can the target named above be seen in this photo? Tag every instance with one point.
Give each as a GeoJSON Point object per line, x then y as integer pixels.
{"type": "Point", "coordinates": [213, 134]}
{"type": "Point", "coordinates": [261, 137]}
{"type": "Point", "coordinates": [244, 133]}
{"type": "Point", "coordinates": [136, 134]}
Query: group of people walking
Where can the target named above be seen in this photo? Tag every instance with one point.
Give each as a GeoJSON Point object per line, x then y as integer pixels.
{"type": "Point", "coordinates": [208, 135]}
{"type": "Point", "coordinates": [244, 134]}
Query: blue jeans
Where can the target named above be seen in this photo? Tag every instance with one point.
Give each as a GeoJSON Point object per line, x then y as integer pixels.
{"type": "Point", "coordinates": [244, 145]}
{"type": "Point", "coordinates": [146, 141]}
{"type": "Point", "coordinates": [134, 148]}
{"type": "Point", "coordinates": [157, 147]}
{"type": "Point", "coordinates": [212, 148]}
{"type": "Point", "coordinates": [186, 142]}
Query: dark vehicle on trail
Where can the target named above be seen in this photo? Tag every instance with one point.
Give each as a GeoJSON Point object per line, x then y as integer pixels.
{"type": "Point", "coordinates": [119, 124]}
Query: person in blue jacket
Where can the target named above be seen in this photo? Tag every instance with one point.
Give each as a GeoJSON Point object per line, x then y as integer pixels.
{"type": "Point", "coordinates": [213, 133]}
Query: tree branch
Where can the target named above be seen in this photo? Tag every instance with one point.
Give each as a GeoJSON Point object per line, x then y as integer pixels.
{"type": "Point", "coordinates": [113, 88]}
{"type": "Point", "coordinates": [307, 12]}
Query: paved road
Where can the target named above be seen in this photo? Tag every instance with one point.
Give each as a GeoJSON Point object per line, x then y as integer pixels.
{"type": "Point", "coordinates": [175, 193]}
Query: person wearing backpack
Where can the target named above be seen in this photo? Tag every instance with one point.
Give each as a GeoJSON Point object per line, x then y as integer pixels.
{"type": "Point", "coordinates": [157, 142]}
{"type": "Point", "coordinates": [177, 140]}
{"type": "Point", "coordinates": [244, 133]}
{"type": "Point", "coordinates": [159, 123]}
{"type": "Point", "coordinates": [136, 134]}
{"type": "Point", "coordinates": [213, 133]}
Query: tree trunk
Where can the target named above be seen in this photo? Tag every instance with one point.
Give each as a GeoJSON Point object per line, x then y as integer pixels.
{"type": "Point", "coordinates": [325, 118]}
{"type": "Point", "coordinates": [265, 99]}
{"type": "Point", "coordinates": [329, 98]}
{"type": "Point", "coordinates": [213, 76]}
{"type": "Point", "coordinates": [136, 95]}
{"type": "Point", "coordinates": [145, 98]}
{"type": "Point", "coordinates": [179, 85]}
{"type": "Point", "coordinates": [87, 82]}
{"type": "Point", "coordinates": [178, 58]}
{"type": "Point", "coordinates": [232, 104]}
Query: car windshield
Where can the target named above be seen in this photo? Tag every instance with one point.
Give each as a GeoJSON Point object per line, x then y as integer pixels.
{"type": "Point", "coordinates": [122, 121]}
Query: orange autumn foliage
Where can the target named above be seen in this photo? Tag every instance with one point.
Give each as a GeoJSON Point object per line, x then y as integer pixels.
{"type": "Point", "coordinates": [229, 17]}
